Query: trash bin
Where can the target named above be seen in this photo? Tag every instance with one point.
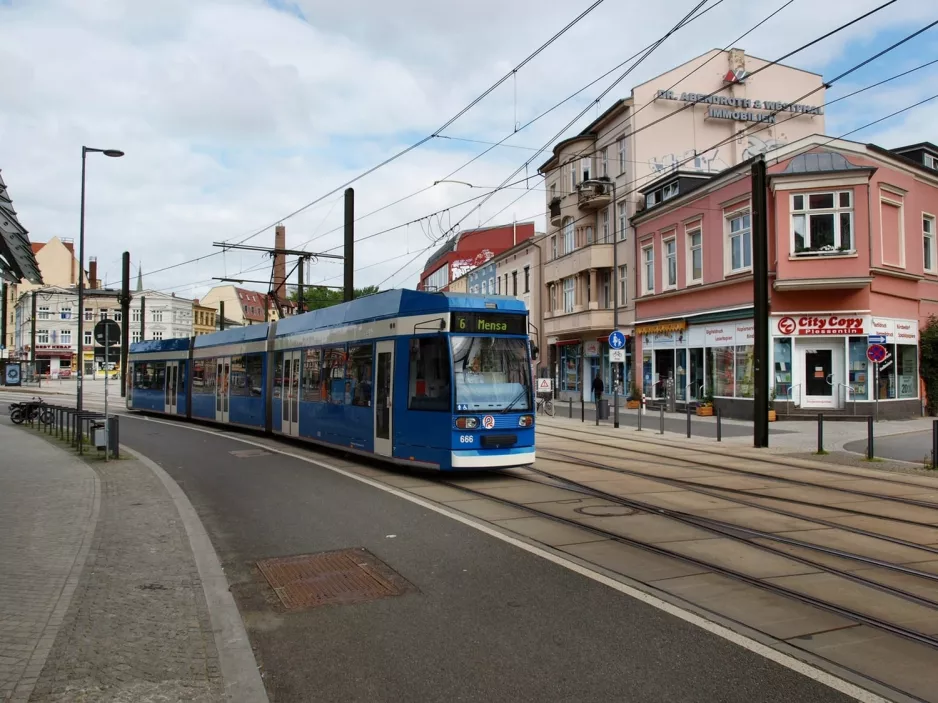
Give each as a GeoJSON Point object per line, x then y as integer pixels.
{"type": "Point", "coordinates": [602, 407]}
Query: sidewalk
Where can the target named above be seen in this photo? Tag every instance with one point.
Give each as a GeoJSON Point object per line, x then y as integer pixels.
{"type": "Point", "coordinates": [100, 596]}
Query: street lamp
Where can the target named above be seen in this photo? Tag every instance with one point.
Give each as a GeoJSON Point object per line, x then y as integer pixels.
{"type": "Point", "coordinates": [113, 153]}
{"type": "Point", "coordinates": [615, 293]}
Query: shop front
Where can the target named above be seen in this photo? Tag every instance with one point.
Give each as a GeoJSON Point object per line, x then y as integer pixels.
{"type": "Point", "coordinates": [54, 360]}
{"type": "Point", "coordinates": [820, 363]}
{"type": "Point", "coordinates": [578, 361]}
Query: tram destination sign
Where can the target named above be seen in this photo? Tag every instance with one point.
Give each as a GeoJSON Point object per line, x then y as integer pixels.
{"type": "Point", "coordinates": [488, 323]}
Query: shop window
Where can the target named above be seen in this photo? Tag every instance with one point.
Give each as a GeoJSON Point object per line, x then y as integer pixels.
{"type": "Point", "coordinates": [648, 381]}
{"type": "Point", "coordinates": [822, 223]}
{"type": "Point", "coordinates": [722, 372]}
{"type": "Point", "coordinates": [570, 367]}
{"type": "Point", "coordinates": [744, 359]}
{"type": "Point", "coordinates": [782, 379]}
{"type": "Point", "coordinates": [740, 242]}
{"type": "Point", "coordinates": [359, 374]}
{"type": "Point", "coordinates": [429, 379]}
{"type": "Point", "coordinates": [858, 372]}
{"type": "Point", "coordinates": [907, 369]}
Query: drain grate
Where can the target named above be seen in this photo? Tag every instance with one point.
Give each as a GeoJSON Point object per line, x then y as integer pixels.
{"type": "Point", "coordinates": [340, 577]}
{"type": "Point", "coordinates": [248, 453]}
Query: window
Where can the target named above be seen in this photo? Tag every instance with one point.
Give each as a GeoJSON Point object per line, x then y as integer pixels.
{"type": "Point", "coordinates": [670, 262]}
{"type": "Point", "coordinates": [623, 284]}
{"type": "Point", "coordinates": [89, 315]}
{"type": "Point", "coordinates": [485, 287]}
{"type": "Point", "coordinates": [42, 336]}
{"type": "Point", "coordinates": [358, 385]}
{"type": "Point", "coordinates": [604, 161]}
{"type": "Point", "coordinates": [694, 256]}
{"type": "Point", "coordinates": [332, 378]}
{"type": "Point", "coordinates": [135, 336]}
{"type": "Point", "coordinates": [157, 316]}
{"type": "Point", "coordinates": [65, 312]}
{"type": "Point", "coordinates": [589, 235]}
{"type": "Point", "coordinates": [605, 289]}
{"type": "Point", "coordinates": [527, 279]}
{"type": "Point", "coordinates": [553, 191]}
{"type": "Point", "coordinates": [649, 200]}
{"type": "Point", "coordinates": [928, 235]}
{"type": "Point", "coordinates": [157, 335]}
{"type": "Point", "coordinates": [553, 247]}
{"type": "Point", "coordinates": [622, 155]}
{"type": "Point", "coordinates": [491, 373]}
{"type": "Point", "coordinates": [246, 375]}
{"type": "Point", "coordinates": [740, 242]}
{"type": "Point", "coordinates": [438, 279]}
{"type": "Point", "coordinates": [87, 336]}
{"type": "Point", "coordinates": [311, 388]}
{"type": "Point", "coordinates": [648, 260]}
{"type": "Point", "coordinates": [822, 222]}
{"type": "Point", "coordinates": [623, 220]}
{"type": "Point", "coordinates": [931, 161]}
{"type": "Point", "coordinates": [585, 167]}
{"type": "Point", "coordinates": [135, 315]}
{"type": "Point", "coordinates": [568, 241]}
{"type": "Point", "coordinates": [498, 283]}
{"type": "Point", "coordinates": [669, 191]}
{"type": "Point", "coordinates": [102, 314]}
{"type": "Point", "coordinates": [572, 177]}
{"type": "Point", "coordinates": [514, 283]}
{"type": "Point", "coordinates": [149, 375]}
{"type": "Point", "coordinates": [907, 357]}
{"type": "Point", "coordinates": [568, 294]}
{"type": "Point", "coordinates": [65, 336]}
{"type": "Point", "coordinates": [117, 315]}
{"type": "Point", "coordinates": [43, 312]}
{"type": "Point", "coordinates": [429, 375]}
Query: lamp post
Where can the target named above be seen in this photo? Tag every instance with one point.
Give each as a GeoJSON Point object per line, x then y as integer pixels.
{"type": "Point", "coordinates": [114, 153]}
{"type": "Point", "coordinates": [615, 293]}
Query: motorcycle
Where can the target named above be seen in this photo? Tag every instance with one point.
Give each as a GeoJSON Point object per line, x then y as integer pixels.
{"type": "Point", "coordinates": [35, 409]}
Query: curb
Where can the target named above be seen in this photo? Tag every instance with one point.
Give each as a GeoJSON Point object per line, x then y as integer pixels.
{"type": "Point", "coordinates": [242, 681]}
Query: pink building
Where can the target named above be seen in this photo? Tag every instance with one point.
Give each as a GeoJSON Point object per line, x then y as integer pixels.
{"type": "Point", "coordinates": [852, 252]}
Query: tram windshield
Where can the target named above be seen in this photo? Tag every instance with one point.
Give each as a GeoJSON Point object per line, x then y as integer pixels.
{"type": "Point", "coordinates": [491, 373]}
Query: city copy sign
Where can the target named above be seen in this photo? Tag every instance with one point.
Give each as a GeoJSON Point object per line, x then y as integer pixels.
{"type": "Point", "coordinates": [820, 325]}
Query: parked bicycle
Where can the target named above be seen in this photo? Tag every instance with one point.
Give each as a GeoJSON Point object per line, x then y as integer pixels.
{"type": "Point", "coordinates": [32, 410]}
{"type": "Point", "coordinates": [545, 404]}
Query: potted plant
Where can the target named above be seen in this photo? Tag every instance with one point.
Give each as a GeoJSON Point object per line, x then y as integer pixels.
{"type": "Point", "coordinates": [635, 398]}
{"type": "Point", "coordinates": [772, 416]}
{"type": "Point", "coordinates": [705, 409]}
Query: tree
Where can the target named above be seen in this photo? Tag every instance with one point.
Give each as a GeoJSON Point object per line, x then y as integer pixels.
{"type": "Point", "coordinates": [928, 351]}
{"type": "Point", "coordinates": [317, 297]}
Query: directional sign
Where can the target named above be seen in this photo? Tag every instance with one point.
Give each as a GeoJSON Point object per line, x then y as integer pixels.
{"type": "Point", "coordinates": [107, 331]}
{"type": "Point", "coordinates": [876, 339]}
{"type": "Point", "coordinates": [616, 340]}
{"type": "Point", "coordinates": [876, 353]}
{"type": "Point", "coordinates": [617, 356]}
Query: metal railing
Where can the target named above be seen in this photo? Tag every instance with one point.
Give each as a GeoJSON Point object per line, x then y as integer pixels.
{"type": "Point", "coordinates": [790, 396]}
{"type": "Point", "coordinates": [848, 390]}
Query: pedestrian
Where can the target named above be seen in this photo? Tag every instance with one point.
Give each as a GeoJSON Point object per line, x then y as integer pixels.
{"type": "Point", "coordinates": [598, 389]}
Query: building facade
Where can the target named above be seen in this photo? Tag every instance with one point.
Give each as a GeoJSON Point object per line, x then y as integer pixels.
{"type": "Point", "coordinates": [469, 250]}
{"type": "Point", "coordinates": [203, 318]}
{"type": "Point", "coordinates": [481, 280]}
{"type": "Point", "coordinates": [852, 252]}
{"type": "Point", "coordinates": [594, 181]}
{"type": "Point", "coordinates": [56, 329]}
{"type": "Point", "coordinates": [518, 274]}
{"type": "Point", "coordinates": [155, 315]}
{"type": "Point", "coordinates": [243, 306]}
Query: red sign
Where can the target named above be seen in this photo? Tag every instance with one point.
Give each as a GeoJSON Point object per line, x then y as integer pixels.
{"type": "Point", "coordinates": [820, 325]}
{"type": "Point", "coordinates": [876, 353]}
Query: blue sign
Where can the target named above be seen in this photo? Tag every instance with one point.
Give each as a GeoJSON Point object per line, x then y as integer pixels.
{"type": "Point", "coordinates": [13, 374]}
{"type": "Point", "coordinates": [876, 339]}
{"type": "Point", "coordinates": [616, 340]}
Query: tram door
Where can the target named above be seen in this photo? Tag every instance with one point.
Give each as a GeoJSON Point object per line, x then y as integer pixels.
{"type": "Point", "coordinates": [384, 387]}
{"type": "Point", "coordinates": [222, 388]}
{"type": "Point", "coordinates": [290, 393]}
{"type": "Point", "coordinates": [172, 386]}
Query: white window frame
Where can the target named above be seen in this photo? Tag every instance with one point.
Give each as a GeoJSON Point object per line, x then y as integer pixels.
{"type": "Point", "coordinates": [928, 237]}
{"type": "Point", "coordinates": [650, 199]}
{"type": "Point", "coordinates": [569, 293]}
{"type": "Point", "coordinates": [42, 313]}
{"type": "Point", "coordinates": [931, 161]}
{"type": "Point", "coordinates": [65, 312]}
{"type": "Point", "coordinates": [553, 191]}
{"type": "Point", "coordinates": [573, 176]}
{"type": "Point", "coordinates": [589, 234]}
{"type": "Point", "coordinates": [569, 236]}
{"type": "Point", "coordinates": [605, 219]}
{"type": "Point", "coordinates": [135, 315]}
{"type": "Point", "coordinates": [89, 315]}
{"type": "Point", "coordinates": [669, 191]}
{"type": "Point", "coordinates": [689, 235]}
{"type": "Point", "coordinates": [135, 336]}
{"type": "Point", "coordinates": [669, 263]}
{"type": "Point", "coordinates": [158, 314]}
{"type": "Point", "coordinates": [623, 284]}
{"type": "Point", "coordinates": [740, 214]}
{"type": "Point", "coordinates": [623, 220]}
{"type": "Point", "coordinates": [158, 334]}
{"type": "Point", "coordinates": [42, 337]}
{"type": "Point", "coordinates": [805, 213]}
{"type": "Point", "coordinates": [648, 268]}
{"type": "Point", "coordinates": [65, 336]}
{"type": "Point", "coordinates": [623, 154]}
{"type": "Point", "coordinates": [553, 247]}
{"type": "Point", "coordinates": [604, 160]}
{"type": "Point", "coordinates": [88, 338]}
{"type": "Point", "coordinates": [585, 168]}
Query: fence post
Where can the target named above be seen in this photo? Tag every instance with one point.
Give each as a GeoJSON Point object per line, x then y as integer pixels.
{"type": "Point", "coordinates": [583, 412]}
{"type": "Point", "coordinates": [934, 444]}
{"type": "Point", "coordinates": [820, 433]}
{"type": "Point", "coordinates": [661, 431]}
{"type": "Point", "coordinates": [869, 437]}
{"type": "Point", "coordinates": [688, 419]}
{"type": "Point", "coordinates": [571, 407]}
{"type": "Point", "coordinates": [640, 408]}
{"type": "Point", "coordinates": [719, 425]}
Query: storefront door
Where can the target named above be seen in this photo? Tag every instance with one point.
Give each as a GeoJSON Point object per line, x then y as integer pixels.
{"type": "Point", "coordinates": [822, 366]}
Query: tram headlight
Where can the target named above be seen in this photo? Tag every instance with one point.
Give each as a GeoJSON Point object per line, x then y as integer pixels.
{"type": "Point", "coordinates": [466, 422]}
{"type": "Point", "coordinates": [526, 421]}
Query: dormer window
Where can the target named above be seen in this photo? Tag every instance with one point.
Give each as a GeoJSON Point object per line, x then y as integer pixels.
{"type": "Point", "coordinates": [649, 200]}
{"type": "Point", "coordinates": [669, 191]}
{"type": "Point", "coordinates": [931, 161]}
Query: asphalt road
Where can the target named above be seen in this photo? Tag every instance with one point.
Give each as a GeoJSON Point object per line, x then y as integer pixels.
{"type": "Point", "coordinates": [489, 622]}
{"type": "Point", "coordinates": [911, 446]}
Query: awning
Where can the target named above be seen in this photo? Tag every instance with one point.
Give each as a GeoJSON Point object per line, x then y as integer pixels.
{"type": "Point", "coordinates": [17, 260]}
{"type": "Point", "coordinates": [658, 327]}
{"type": "Point", "coordinates": [566, 342]}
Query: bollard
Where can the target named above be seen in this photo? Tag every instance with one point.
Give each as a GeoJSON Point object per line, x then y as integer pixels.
{"type": "Point", "coordinates": [934, 444]}
{"type": "Point", "coordinates": [688, 421]}
{"type": "Point", "coordinates": [571, 408]}
{"type": "Point", "coordinates": [583, 412]}
{"type": "Point", "coordinates": [114, 436]}
{"type": "Point", "coordinates": [820, 433]}
{"type": "Point", "coordinates": [869, 438]}
{"type": "Point", "coordinates": [661, 431]}
{"type": "Point", "coordinates": [640, 407]}
{"type": "Point", "coordinates": [719, 425]}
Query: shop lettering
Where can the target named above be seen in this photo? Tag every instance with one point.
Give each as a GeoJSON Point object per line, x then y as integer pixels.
{"type": "Point", "coordinates": [830, 325]}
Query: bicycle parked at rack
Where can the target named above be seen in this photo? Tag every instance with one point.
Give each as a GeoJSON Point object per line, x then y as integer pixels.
{"type": "Point", "coordinates": [545, 404]}
{"type": "Point", "coordinates": [32, 410]}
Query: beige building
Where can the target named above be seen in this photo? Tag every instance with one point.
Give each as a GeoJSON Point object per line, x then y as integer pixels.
{"type": "Point", "coordinates": [459, 285]}
{"type": "Point", "coordinates": [667, 127]}
{"type": "Point", "coordinates": [518, 274]}
{"type": "Point", "coordinates": [203, 318]}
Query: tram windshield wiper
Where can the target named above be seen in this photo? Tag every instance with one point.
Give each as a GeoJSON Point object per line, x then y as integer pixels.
{"type": "Point", "coordinates": [512, 404]}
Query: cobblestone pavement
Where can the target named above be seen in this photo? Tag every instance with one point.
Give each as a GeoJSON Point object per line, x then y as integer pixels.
{"type": "Point", "coordinates": [137, 628]}
{"type": "Point", "coordinates": [47, 513]}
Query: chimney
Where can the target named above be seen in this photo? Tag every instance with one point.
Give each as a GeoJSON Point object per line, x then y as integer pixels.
{"type": "Point", "coordinates": [92, 272]}
{"type": "Point", "coordinates": [280, 262]}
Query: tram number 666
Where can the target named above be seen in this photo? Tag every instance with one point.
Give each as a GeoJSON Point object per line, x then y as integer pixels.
{"type": "Point", "coordinates": [465, 439]}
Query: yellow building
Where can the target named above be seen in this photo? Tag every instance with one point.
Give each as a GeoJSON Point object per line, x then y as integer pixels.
{"type": "Point", "coordinates": [203, 318]}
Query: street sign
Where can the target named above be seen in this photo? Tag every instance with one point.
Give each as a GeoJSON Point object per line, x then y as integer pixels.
{"type": "Point", "coordinates": [617, 356]}
{"type": "Point", "coordinates": [876, 353]}
{"type": "Point", "coordinates": [876, 339]}
{"type": "Point", "coordinates": [107, 331]}
{"type": "Point", "coordinates": [616, 340]}
{"type": "Point", "coordinates": [13, 374]}
{"type": "Point", "coordinates": [545, 385]}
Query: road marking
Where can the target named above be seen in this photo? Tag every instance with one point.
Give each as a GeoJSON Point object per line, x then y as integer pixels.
{"type": "Point", "coordinates": [810, 671]}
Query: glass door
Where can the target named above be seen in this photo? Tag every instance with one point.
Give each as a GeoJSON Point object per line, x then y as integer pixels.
{"type": "Point", "coordinates": [696, 389]}
{"type": "Point", "coordinates": [818, 377]}
{"type": "Point", "coordinates": [222, 400]}
{"type": "Point", "coordinates": [171, 387]}
{"type": "Point", "coordinates": [384, 392]}
{"type": "Point", "coordinates": [290, 393]}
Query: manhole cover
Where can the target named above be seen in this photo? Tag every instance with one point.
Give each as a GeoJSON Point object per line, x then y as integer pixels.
{"type": "Point", "coordinates": [606, 510]}
{"type": "Point", "coordinates": [331, 578]}
{"type": "Point", "coordinates": [248, 453]}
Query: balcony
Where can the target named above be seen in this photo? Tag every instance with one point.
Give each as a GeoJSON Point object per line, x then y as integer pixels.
{"type": "Point", "coordinates": [555, 217]}
{"type": "Point", "coordinates": [586, 320]}
{"type": "Point", "coordinates": [594, 256]}
{"type": "Point", "coordinates": [593, 196]}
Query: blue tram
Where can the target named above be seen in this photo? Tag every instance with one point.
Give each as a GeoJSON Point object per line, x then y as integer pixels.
{"type": "Point", "coordinates": [433, 380]}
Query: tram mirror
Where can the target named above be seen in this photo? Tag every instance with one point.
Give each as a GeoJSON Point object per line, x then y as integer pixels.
{"type": "Point", "coordinates": [534, 352]}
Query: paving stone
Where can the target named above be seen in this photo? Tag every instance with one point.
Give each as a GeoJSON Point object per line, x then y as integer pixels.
{"type": "Point", "coordinates": [549, 531]}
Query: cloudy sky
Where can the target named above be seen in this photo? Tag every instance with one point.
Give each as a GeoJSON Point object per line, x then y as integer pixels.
{"type": "Point", "coordinates": [236, 113]}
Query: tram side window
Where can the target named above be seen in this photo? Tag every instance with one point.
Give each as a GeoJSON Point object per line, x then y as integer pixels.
{"type": "Point", "coordinates": [198, 377]}
{"type": "Point", "coordinates": [150, 375]}
{"type": "Point", "coordinates": [246, 375]}
{"type": "Point", "coordinates": [278, 374]}
{"type": "Point", "coordinates": [359, 375]}
{"type": "Point", "coordinates": [429, 384]}
{"type": "Point", "coordinates": [211, 368]}
{"type": "Point", "coordinates": [312, 366]}
{"type": "Point", "coordinates": [237, 383]}
{"type": "Point", "coordinates": [332, 382]}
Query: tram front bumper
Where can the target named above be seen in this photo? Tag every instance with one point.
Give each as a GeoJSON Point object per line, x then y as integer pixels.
{"type": "Point", "coordinates": [491, 458]}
